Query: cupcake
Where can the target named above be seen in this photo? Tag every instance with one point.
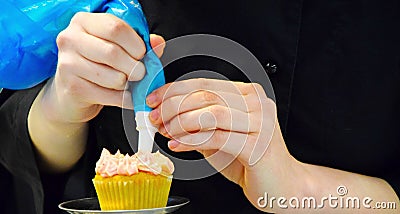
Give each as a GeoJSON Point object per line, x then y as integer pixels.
{"type": "Point", "coordinates": [140, 181]}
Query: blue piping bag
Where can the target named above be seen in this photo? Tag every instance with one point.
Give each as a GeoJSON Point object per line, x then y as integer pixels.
{"type": "Point", "coordinates": [28, 52]}
{"type": "Point", "coordinates": [154, 77]}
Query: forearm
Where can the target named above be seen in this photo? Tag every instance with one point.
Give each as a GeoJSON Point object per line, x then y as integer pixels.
{"type": "Point", "coordinates": [325, 190]}
{"type": "Point", "coordinates": [347, 186]}
{"type": "Point", "coordinates": [58, 145]}
{"type": "Point", "coordinates": [290, 186]}
{"type": "Point", "coordinates": [334, 191]}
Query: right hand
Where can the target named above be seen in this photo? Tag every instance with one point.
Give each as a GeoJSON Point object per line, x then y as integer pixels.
{"type": "Point", "coordinates": [98, 54]}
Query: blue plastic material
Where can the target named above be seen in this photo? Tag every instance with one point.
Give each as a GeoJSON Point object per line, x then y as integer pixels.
{"type": "Point", "coordinates": [28, 52]}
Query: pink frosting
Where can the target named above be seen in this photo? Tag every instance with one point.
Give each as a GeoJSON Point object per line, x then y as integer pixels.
{"type": "Point", "coordinates": [156, 163]}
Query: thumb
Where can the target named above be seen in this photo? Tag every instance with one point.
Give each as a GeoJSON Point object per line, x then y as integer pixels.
{"type": "Point", "coordinates": [158, 44]}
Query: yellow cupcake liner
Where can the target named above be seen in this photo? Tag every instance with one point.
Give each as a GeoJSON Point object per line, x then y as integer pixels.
{"type": "Point", "coordinates": [140, 191]}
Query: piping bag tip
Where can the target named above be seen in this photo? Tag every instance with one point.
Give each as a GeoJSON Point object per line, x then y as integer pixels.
{"type": "Point", "coordinates": [146, 131]}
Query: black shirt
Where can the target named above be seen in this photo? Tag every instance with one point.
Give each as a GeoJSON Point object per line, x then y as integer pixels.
{"type": "Point", "coordinates": [336, 85]}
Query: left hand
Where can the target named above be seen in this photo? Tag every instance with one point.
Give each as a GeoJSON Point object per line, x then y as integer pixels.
{"type": "Point", "coordinates": [225, 121]}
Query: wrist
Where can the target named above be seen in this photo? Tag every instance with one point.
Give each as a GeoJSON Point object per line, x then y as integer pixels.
{"type": "Point", "coordinates": [288, 169]}
{"type": "Point", "coordinates": [58, 144]}
{"type": "Point", "coordinates": [51, 110]}
{"type": "Point", "coordinates": [62, 109]}
{"type": "Point", "coordinates": [275, 173]}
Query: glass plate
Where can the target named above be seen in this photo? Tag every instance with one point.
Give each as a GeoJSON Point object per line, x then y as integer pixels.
{"type": "Point", "coordinates": [91, 205]}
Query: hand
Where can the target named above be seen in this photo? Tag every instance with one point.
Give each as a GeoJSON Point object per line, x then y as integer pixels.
{"type": "Point", "coordinates": [98, 54]}
{"type": "Point", "coordinates": [225, 121]}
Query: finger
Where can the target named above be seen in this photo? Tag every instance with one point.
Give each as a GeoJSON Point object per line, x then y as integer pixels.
{"type": "Point", "coordinates": [176, 105]}
{"type": "Point", "coordinates": [89, 92]}
{"type": "Point", "coordinates": [211, 118]}
{"type": "Point", "coordinates": [113, 29]}
{"type": "Point", "coordinates": [188, 86]}
{"type": "Point", "coordinates": [158, 44]}
{"type": "Point", "coordinates": [237, 144]}
{"type": "Point", "coordinates": [99, 74]}
{"type": "Point", "coordinates": [104, 52]}
{"type": "Point", "coordinates": [163, 131]}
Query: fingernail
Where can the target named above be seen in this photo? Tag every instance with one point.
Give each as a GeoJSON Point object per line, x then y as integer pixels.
{"type": "Point", "coordinates": [151, 99]}
{"type": "Point", "coordinates": [154, 115]}
{"type": "Point", "coordinates": [172, 144]}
